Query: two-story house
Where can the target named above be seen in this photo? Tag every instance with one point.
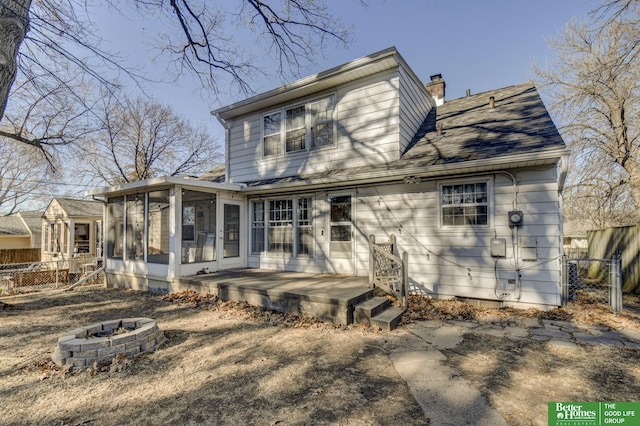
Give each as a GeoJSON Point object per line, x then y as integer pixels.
{"type": "Point", "coordinates": [470, 187]}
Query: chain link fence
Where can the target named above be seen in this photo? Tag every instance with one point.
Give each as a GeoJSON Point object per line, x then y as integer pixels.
{"type": "Point", "coordinates": [58, 274]}
{"type": "Point", "coordinates": [593, 281]}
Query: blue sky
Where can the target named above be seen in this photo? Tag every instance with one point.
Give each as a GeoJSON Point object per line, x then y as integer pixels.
{"type": "Point", "coordinates": [474, 44]}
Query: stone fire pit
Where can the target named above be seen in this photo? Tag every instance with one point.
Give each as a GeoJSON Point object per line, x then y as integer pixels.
{"type": "Point", "coordinates": [103, 341]}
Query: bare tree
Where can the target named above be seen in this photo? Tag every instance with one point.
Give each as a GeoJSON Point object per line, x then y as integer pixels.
{"type": "Point", "coordinates": [14, 23]}
{"type": "Point", "coordinates": [594, 85]}
{"type": "Point", "coordinates": [142, 139]}
{"type": "Point", "coordinates": [63, 33]}
{"type": "Point", "coordinates": [22, 176]}
{"type": "Point", "coordinates": [42, 116]}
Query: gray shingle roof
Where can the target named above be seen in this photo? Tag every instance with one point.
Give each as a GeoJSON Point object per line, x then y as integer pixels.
{"type": "Point", "coordinates": [519, 123]}
{"type": "Point", "coordinates": [80, 208]}
{"type": "Point", "coordinates": [12, 225]}
{"type": "Point", "coordinates": [216, 175]}
{"type": "Point", "coordinates": [33, 220]}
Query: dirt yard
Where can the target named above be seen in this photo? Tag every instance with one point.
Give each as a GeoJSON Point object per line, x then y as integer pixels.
{"type": "Point", "coordinates": [226, 363]}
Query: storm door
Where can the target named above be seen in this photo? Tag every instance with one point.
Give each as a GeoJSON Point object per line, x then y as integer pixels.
{"type": "Point", "coordinates": [341, 238]}
{"type": "Point", "coordinates": [230, 235]}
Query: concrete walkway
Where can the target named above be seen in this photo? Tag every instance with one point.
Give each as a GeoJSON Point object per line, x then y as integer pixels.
{"type": "Point", "coordinates": [448, 399]}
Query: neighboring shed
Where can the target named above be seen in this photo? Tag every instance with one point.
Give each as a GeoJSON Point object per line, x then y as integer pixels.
{"type": "Point", "coordinates": [71, 227]}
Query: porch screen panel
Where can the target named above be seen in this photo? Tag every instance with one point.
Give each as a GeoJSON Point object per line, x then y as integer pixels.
{"type": "Point", "coordinates": [198, 227]}
{"type": "Point", "coordinates": [115, 231]}
{"type": "Point", "coordinates": [135, 235]}
{"type": "Point", "coordinates": [280, 226]}
{"type": "Point", "coordinates": [158, 226]}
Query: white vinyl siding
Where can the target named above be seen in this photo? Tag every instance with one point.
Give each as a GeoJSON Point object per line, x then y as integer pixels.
{"type": "Point", "coordinates": [415, 104]}
{"type": "Point", "coordinates": [448, 262]}
{"type": "Point", "coordinates": [365, 131]}
{"type": "Point", "coordinates": [457, 261]}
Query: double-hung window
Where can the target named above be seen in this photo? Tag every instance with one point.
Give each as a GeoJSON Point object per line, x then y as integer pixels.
{"type": "Point", "coordinates": [280, 235]}
{"type": "Point", "coordinates": [299, 128]}
{"type": "Point", "coordinates": [465, 204]}
{"type": "Point", "coordinates": [295, 132]}
{"type": "Point", "coordinates": [303, 224]}
{"type": "Point", "coordinates": [321, 113]}
{"type": "Point", "coordinates": [282, 226]}
{"type": "Point", "coordinates": [257, 227]}
{"type": "Point", "coordinates": [272, 128]}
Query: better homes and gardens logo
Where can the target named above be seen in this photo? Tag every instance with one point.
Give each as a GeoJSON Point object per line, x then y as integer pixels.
{"type": "Point", "coordinates": [593, 413]}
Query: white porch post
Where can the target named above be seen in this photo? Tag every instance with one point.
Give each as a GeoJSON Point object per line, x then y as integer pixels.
{"type": "Point", "coordinates": [175, 233]}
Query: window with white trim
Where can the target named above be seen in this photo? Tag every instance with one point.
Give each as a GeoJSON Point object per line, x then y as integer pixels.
{"type": "Point", "coordinates": [280, 230]}
{"type": "Point", "coordinates": [464, 204]}
{"type": "Point", "coordinates": [271, 129]}
{"type": "Point", "coordinates": [304, 229]}
{"type": "Point", "coordinates": [257, 227]}
{"type": "Point", "coordinates": [307, 126]}
{"type": "Point", "coordinates": [295, 129]}
{"type": "Point", "coordinates": [322, 123]}
{"type": "Point", "coordinates": [282, 226]}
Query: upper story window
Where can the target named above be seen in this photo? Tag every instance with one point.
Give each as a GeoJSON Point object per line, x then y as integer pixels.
{"type": "Point", "coordinates": [306, 126]}
{"type": "Point", "coordinates": [271, 125]}
{"type": "Point", "coordinates": [465, 204]}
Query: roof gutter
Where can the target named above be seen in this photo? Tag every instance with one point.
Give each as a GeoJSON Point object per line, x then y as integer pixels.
{"type": "Point", "coordinates": [227, 147]}
{"type": "Point", "coordinates": [164, 181]}
{"type": "Point", "coordinates": [564, 169]}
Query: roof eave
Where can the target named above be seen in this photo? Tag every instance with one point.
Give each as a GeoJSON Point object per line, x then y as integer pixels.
{"type": "Point", "coordinates": [481, 166]}
{"type": "Point", "coordinates": [160, 182]}
{"type": "Point", "coordinates": [385, 59]}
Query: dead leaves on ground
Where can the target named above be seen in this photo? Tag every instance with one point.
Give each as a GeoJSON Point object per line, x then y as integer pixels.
{"type": "Point", "coordinates": [253, 313]}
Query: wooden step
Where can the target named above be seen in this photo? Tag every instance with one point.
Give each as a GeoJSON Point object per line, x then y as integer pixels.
{"type": "Point", "coordinates": [368, 309]}
{"type": "Point", "coordinates": [388, 319]}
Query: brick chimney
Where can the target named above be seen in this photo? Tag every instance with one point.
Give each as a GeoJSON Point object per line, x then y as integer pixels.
{"type": "Point", "coordinates": [436, 88]}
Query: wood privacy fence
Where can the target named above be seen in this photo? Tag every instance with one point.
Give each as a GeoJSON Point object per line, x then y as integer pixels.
{"type": "Point", "coordinates": [625, 242]}
{"type": "Point", "coordinates": [19, 255]}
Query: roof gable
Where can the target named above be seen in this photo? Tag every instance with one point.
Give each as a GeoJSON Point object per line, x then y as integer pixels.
{"type": "Point", "coordinates": [76, 208]}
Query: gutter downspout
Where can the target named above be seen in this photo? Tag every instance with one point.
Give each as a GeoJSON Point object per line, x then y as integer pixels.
{"type": "Point", "coordinates": [564, 169]}
{"type": "Point", "coordinates": [226, 144]}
